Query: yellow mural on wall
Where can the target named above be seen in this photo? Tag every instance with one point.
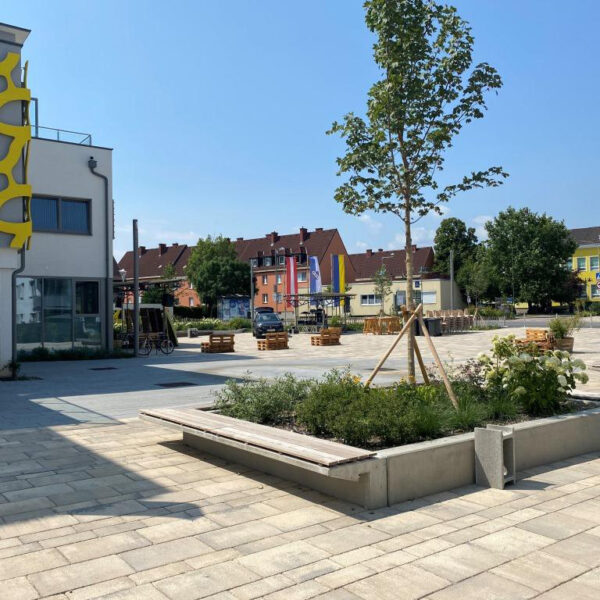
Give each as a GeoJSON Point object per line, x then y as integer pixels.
{"type": "Point", "coordinates": [19, 148]}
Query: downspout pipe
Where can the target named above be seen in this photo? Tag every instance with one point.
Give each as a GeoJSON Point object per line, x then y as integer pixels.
{"type": "Point", "coordinates": [20, 269]}
{"type": "Point", "coordinates": [92, 164]}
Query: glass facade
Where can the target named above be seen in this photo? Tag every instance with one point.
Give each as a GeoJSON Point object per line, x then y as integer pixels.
{"type": "Point", "coordinates": [58, 313]}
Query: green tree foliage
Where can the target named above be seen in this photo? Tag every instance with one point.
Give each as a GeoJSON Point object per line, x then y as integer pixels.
{"type": "Point", "coordinates": [382, 286]}
{"type": "Point", "coordinates": [527, 253]}
{"type": "Point", "coordinates": [214, 269]}
{"type": "Point", "coordinates": [428, 90]}
{"type": "Point", "coordinates": [453, 234]}
{"type": "Point", "coordinates": [153, 294]}
{"type": "Point", "coordinates": [475, 277]}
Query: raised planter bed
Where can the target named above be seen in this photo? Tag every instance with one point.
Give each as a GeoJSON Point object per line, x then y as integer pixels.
{"type": "Point", "coordinates": [385, 477]}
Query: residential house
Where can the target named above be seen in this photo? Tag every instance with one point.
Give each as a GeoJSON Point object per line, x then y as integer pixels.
{"type": "Point", "coordinates": [586, 261]}
{"type": "Point", "coordinates": [267, 256]}
{"type": "Point", "coordinates": [430, 289]}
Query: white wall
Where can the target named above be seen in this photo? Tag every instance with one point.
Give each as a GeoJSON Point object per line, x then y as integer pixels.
{"type": "Point", "coordinates": [61, 169]}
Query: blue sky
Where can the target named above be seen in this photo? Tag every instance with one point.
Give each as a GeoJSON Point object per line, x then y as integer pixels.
{"type": "Point", "coordinates": [217, 111]}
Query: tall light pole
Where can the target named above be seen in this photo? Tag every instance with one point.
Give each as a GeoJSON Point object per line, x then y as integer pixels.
{"type": "Point", "coordinates": [136, 290]}
{"type": "Point", "coordinates": [451, 279]}
{"type": "Point", "coordinates": [277, 250]}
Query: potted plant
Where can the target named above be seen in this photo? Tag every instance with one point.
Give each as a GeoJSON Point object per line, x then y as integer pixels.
{"type": "Point", "coordinates": [562, 329]}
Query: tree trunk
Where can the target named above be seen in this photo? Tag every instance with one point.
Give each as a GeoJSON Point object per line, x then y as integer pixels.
{"type": "Point", "coordinates": [409, 292]}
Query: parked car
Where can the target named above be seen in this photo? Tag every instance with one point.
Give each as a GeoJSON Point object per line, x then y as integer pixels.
{"type": "Point", "coordinates": [266, 322]}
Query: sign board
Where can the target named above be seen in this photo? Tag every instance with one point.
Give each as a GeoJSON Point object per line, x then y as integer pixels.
{"type": "Point", "coordinates": [598, 280]}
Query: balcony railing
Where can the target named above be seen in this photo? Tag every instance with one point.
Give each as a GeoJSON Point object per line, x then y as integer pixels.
{"type": "Point", "coordinates": [51, 133]}
{"type": "Point", "coordinates": [61, 135]}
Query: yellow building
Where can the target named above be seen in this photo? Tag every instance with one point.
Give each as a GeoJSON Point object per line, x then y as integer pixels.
{"type": "Point", "coordinates": [586, 261]}
{"type": "Point", "coordinates": [428, 288]}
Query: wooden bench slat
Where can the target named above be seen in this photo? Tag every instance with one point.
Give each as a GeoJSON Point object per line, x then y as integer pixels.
{"type": "Point", "coordinates": [322, 452]}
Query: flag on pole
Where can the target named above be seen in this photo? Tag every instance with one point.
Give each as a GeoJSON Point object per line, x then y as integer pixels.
{"type": "Point", "coordinates": [291, 280]}
{"type": "Point", "coordinates": [315, 285]}
{"type": "Point", "coordinates": [338, 276]}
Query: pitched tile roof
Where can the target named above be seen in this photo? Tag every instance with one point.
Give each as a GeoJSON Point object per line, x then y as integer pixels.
{"type": "Point", "coordinates": [315, 243]}
{"type": "Point", "coordinates": [368, 263]}
{"type": "Point", "coordinates": [154, 260]}
{"type": "Point", "coordinates": [586, 235]}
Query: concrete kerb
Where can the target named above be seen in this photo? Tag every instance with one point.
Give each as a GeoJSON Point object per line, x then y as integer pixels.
{"type": "Point", "coordinates": [407, 472]}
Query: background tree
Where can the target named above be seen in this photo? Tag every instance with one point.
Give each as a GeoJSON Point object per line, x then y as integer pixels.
{"type": "Point", "coordinates": [214, 269]}
{"type": "Point", "coordinates": [453, 234]}
{"type": "Point", "coordinates": [382, 286]}
{"type": "Point", "coordinates": [528, 254]}
{"type": "Point", "coordinates": [475, 278]}
{"type": "Point", "coordinates": [155, 292]}
{"type": "Point", "coordinates": [426, 94]}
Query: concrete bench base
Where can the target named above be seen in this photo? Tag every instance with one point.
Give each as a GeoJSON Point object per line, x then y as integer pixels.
{"type": "Point", "coordinates": [416, 470]}
{"type": "Point", "coordinates": [362, 482]}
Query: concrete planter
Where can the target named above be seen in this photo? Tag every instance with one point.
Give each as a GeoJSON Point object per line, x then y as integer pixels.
{"type": "Point", "coordinates": [415, 470]}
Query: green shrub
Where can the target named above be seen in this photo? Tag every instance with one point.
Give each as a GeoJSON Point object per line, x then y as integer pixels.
{"type": "Point", "coordinates": [44, 354]}
{"type": "Point", "coordinates": [538, 383]}
{"type": "Point", "coordinates": [239, 323]}
{"type": "Point", "coordinates": [262, 401]}
{"type": "Point", "coordinates": [189, 312]}
{"type": "Point", "coordinates": [562, 327]}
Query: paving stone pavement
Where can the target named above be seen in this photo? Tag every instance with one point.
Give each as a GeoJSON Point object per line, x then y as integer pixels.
{"type": "Point", "coordinates": [106, 391]}
{"type": "Point", "coordinates": [126, 511]}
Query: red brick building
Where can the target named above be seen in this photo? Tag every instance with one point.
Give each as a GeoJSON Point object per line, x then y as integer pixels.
{"type": "Point", "coordinates": [268, 260]}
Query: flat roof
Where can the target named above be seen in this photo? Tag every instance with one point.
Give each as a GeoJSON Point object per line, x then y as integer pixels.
{"type": "Point", "coordinates": [14, 34]}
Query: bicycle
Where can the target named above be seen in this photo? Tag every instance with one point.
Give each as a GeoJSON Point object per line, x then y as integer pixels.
{"type": "Point", "coordinates": [162, 343]}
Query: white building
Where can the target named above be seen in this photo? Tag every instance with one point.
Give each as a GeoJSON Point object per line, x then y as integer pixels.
{"type": "Point", "coordinates": [61, 284]}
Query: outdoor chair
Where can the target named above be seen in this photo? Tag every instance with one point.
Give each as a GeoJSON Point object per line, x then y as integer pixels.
{"type": "Point", "coordinates": [327, 337]}
{"type": "Point", "coordinates": [219, 342]}
{"type": "Point", "coordinates": [274, 341]}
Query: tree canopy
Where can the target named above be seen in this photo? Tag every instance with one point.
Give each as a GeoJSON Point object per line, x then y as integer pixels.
{"type": "Point", "coordinates": [527, 254]}
{"type": "Point", "coordinates": [382, 285]}
{"type": "Point", "coordinates": [428, 90]}
{"type": "Point", "coordinates": [453, 234]}
{"type": "Point", "coordinates": [214, 269]}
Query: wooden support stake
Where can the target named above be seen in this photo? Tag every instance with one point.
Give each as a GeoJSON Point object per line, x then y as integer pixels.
{"type": "Point", "coordinates": [437, 360]}
{"type": "Point", "coordinates": [394, 344]}
{"type": "Point", "coordinates": [421, 363]}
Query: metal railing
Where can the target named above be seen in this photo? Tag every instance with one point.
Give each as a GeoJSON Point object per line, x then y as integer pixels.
{"type": "Point", "coordinates": [62, 135]}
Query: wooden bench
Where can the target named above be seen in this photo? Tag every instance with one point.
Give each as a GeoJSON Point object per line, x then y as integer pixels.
{"type": "Point", "coordinates": [327, 337]}
{"type": "Point", "coordinates": [541, 338]}
{"type": "Point", "coordinates": [343, 471]}
{"type": "Point", "coordinates": [219, 342]}
{"type": "Point", "coordinates": [274, 341]}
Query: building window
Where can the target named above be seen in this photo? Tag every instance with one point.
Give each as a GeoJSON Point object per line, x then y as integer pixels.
{"type": "Point", "coordinates": [191, 302]}
{"type": "Point", "coordinates": [60, 215]}
{"type": "Point", "coordinates": [277, 297]}
{"type": "Point", "coordinates": [429, 297]}
{"type": "Point", "coordinates": [582, 291]}
{"type": "Point", "coordinates": [595, 291]}
{"type": "Point", "coordinates": [87, 322]}
{"type": "Point", "coordinates": [265, 298]}
{"type": "Point", "coordinates": [265, 279]}
{"type": "Point", "coordinates": [302, 276]}
{"type": "Point", "coordinates": [267, 261]}
{"type": "Point", "coordinates": [281, 259]}
{"type": "Point", "coordinates": [278, 278]}
{"type": "Point", "coordinates": [400, 298]}
{"type": "Point", "coordinates": [191, 285]}
{"type": "Point", "coordinates": [370, 300]}
{"type": "Point", "coordinates": [594, 263]}
{"type": "Point", "coordinates": [417, 297]}
{"type": "Point", "coordinates": [254, 262]}
{"type": "Point", "coordinates": [58, 313]}
{"type": "Point", "coordinates": [581, 263]}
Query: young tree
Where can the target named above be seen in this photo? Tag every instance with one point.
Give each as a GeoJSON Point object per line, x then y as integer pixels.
{"type": "Point", "coordinates": [528, 254]}
{"type": "Point", "coordinates": [427, 92]}
{"type": "Point", "coordinates": [155, 292]}
{"type": "Point", "coordinates": [214, 269]}
{"type": "Point", "coordinates": [382, 286]}
{"type": "Point", "coordinates": [453, 234]}
{"type": "Point", "coordinates": [475, 278]}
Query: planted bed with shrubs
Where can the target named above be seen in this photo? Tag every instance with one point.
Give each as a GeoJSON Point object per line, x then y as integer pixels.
{"type": "Point", "coordinates": [507, 386]}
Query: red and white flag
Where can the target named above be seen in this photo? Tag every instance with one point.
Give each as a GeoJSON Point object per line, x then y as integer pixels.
{"type": "Point", "coordinates": [291, 280]}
